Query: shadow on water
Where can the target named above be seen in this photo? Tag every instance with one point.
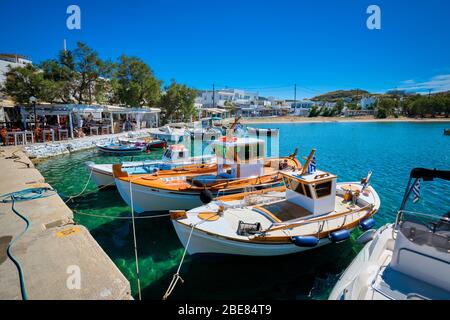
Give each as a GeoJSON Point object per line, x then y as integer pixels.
{"type": "Point", "coordinates": [235, 277]}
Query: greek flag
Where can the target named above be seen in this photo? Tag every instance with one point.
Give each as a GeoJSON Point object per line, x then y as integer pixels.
{"type": "Point", "coordinates": [312, 165]}
{"type": "Point", "coordinates": [416, 191]}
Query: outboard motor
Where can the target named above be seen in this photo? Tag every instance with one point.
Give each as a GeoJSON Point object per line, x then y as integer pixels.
{"type": "Point", "coordinates": [206, 196]}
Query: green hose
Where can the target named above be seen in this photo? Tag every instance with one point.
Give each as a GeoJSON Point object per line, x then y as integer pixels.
{"type": "Point", "coordinates": [20, 196]}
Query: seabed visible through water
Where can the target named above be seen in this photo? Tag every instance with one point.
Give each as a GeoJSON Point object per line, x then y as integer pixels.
{"type": "Point", "coordinates": [349, 150]}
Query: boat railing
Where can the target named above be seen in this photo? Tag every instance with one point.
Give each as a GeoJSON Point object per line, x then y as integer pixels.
{"type": "Point", "coordinates": [221, 192]}
{"type": "Point", "coordinates": [290, 225]}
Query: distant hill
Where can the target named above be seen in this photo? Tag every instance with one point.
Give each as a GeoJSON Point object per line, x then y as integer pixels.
{"type": "Point", "coordinates": [341, 94]}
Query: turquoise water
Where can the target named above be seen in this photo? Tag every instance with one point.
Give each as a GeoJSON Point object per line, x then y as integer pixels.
{"type": "Point", "coordinates": [349, 150]}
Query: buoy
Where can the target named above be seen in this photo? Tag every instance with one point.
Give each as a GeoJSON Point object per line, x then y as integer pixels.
{"type": "Point", "coordinates": [366, 236]}
{"type": "Point", "coordinates": [339, 236]}
{"type": "Point", "coordinates": [367, 224]}
{"type": "Point", "coordinates": [206, 196]}
{"type": "Point", "coordinates": [305, 241]}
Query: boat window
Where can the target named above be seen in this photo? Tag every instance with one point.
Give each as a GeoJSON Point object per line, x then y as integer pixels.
{"type": "Point", "coordinates": [167, 153]}
{"type": "Point", "coordinates": [323, 189]}
{"type": "Point", "coordinates": [307, 191]}
{"type": "Point", "coordinates": [295, 185]}
{"type": "Point", "coordinates": [181, 154]}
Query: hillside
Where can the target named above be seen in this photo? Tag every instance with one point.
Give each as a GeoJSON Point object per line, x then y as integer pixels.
{"type": "Point", "coordinates": [341, 94]}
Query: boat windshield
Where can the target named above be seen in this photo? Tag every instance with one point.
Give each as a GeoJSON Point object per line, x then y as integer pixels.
{"type": "Point", "coordinates": [425, 229]}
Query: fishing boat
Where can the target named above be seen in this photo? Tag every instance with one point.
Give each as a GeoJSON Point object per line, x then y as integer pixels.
{"type": "Point", "coordinates": [148, 142]}
{"type": "Point", "coordinates": [174, 156]}
{"type": "Point", "coordinates": [167, 133]}
{"type": "Point", "coordinates": [311, 210]}
{"type": "Point", "coordinates": [406, 260]}
{"type": "Point", "coordinates": [120, 149]}
{"type": "Point", "coordinates": [258, 132]}
{"type": "Point", "coordinates": [240, 163]}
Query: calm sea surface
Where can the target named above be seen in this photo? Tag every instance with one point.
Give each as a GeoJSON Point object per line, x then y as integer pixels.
{"type": "Point", "coordinates": [349, 150]}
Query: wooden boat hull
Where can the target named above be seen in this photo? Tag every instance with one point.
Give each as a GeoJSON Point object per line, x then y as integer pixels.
{"type": "Point", "coordinates": [147, 199]}
{"type": "Point", "coordinates": [202, 243]}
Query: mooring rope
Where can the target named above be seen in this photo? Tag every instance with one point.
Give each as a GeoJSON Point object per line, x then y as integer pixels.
{"type": "Point", "coordinates": [82, 191]}
{"type": "Point", "coordinates": [177, 276]}
{"type": "Point", "coordinates": [119, 218]}
{"type": "Point", "coordinates": [135, 242]}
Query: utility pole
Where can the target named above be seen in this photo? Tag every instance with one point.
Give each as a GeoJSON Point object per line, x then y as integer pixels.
{"type": "Point", "coordinates": [429, 93]}
{"type": "Point", "coordinates": [295, 95]}
{"type": "Point", "coordinates": [214, 95]}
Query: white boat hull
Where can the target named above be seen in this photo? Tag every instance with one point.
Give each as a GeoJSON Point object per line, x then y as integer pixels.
{"type": "Point", "coordinates": [103, 178]}
{"type": "Point", "coordinates": [146, 199]}
{"type": "Point", "coordinates": [203, 243]}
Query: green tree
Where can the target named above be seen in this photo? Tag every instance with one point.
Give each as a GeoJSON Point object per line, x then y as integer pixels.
{"type": "Point", "coordinates": [178, 101]}
{"type": "Point", "coordinates": [136, 84]}
{"type": "Point", "coordinates": [386, 107]}
{"type": "Point", "coordinates": [24, 82]}
{"type": "Point", "coordinates": [89, 72]}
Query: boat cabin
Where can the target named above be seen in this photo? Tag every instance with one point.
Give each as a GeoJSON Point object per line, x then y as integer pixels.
{"type": "Point", "coordinates": [175, 152]}
{"type": "Point", "coordinates": [315, 192]}
{"type": "Point", "coordinates": [243, 157]}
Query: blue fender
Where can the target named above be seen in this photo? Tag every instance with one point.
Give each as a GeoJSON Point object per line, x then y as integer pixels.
{"type": "Point", "coordinates": [339, 236]}
{"type": "Point", "coordinates": [367, 224]}
{"type": "Point", "coordinates": [305, 241]}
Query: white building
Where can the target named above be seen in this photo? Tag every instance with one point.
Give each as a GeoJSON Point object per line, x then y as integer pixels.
{"type": "Point", "coordinates": [218, 98]}
{"type": "Point", "coordinates": [11, 60]}
{"type": "Point", "coordinates": [7, 61]}
{"type": "Point", "coordinates": [366, 102]}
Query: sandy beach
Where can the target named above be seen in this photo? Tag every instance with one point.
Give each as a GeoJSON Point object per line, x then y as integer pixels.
{"type": "Point", "coordinates": [291, 119]}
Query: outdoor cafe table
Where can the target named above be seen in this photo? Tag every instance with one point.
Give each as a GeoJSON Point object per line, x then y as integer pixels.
{"type": "Point", "coordinates": [93, 128]}
{"type": "Point", "coordinates": [106, 129]}
{"type": "Point", "coordinates": [19, 136]}
{"type": "Point", "coordinates": [27, 134]}
{"type": "Point", "coordinates": [51, 131]}
{"type": "Point", "coordinates": [62, 132]}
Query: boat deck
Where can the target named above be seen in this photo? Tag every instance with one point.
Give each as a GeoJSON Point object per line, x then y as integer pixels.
{"type": "Point", "coordinates": [287, 211]}
{"type": "Point", "coordinates": [394, 285]}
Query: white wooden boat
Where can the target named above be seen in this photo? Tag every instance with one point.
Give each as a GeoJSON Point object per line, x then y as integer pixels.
{"type": "Point", "coordinates": [174, 156]}
{"type": "Point", "coordinates": [406, 260]}
{"type": "Point", "coordinates": [169, 134]}
{"type": "Point", "coordinates": [313, 210]}
{"type": "Point", "coordinates": [240, 164]}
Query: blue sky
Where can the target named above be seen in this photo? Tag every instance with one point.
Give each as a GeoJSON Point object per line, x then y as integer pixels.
{"type": "Point", "coordinates": [260, 45]}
